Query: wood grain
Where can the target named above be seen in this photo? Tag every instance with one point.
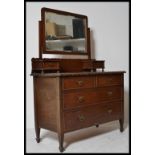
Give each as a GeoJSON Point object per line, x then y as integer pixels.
{"type": "Point", "coordinates": [92, 115]}
{"type": "Point", "coordinates": [47, 101]}
{"type": "Point", "coordinates": [82, 97]}
{"type": "Point", "coordinates": [108, 80]}
{"type": "Point", "coordinates": [78, 82]}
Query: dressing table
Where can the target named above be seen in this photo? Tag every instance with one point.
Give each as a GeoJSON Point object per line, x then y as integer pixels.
{"type": "Point", "coordinates": [71, 90]}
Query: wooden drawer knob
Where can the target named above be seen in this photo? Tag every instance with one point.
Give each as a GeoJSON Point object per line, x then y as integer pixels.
{"type": "Point", "coordinates": [81, 117]}
{"type": "Point", "coordinates": [81, 99]}
{"type": "Point", "coordinates": [110, 79]}
{"type": "Point", "coordinates": [110, 92]}
{"type": "Point", "coordinates": [80, 83]}
{"type": "Point", "coordinates": [109, 111]}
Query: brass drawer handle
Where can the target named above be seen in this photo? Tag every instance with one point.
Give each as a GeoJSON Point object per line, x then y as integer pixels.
{"type": "Point", "coordinates": [110, 111]}
{"type": "Point", "coordinates": [81, 118]}
{"type": "Point", "coordinates": [80, 82]}
{"type": "Point", "coordinates": [81, 99]}
{"type": "Point", "coordinates": [110, 93]}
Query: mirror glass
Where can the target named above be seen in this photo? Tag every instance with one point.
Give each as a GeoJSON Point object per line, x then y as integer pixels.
{"type": "Point", "coordinates": [65, 33]}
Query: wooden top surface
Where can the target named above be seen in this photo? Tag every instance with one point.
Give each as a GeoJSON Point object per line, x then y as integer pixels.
{"type": "Point", "coordinates": [76, 73]}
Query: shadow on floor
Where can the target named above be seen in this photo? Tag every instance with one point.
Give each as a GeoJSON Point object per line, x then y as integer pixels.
{"type": "Point", "coordinates": [126, 109]}
{"type": "Point", "coordinates": [49, 134]}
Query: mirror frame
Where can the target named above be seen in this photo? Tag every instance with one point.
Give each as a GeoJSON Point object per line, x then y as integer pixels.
{"type": "Point", "coordinates": [42, 39]}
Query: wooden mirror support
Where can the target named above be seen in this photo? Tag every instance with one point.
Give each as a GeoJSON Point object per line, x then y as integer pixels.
{"type": "Point", "coordinates": [80, 64]}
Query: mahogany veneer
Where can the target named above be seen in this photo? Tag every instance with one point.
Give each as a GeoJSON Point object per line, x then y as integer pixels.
{"type": "Point", "coordinates": [65, 65]}
{"type": "Point", "coordinates": [69, 101]}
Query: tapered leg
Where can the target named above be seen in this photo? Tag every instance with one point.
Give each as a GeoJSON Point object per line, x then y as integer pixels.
{"type": "Point", "coordinates": [61, 139]}
{"type": "Point", "coordinates": [121, 122]}
{"type": "Point", "coordinates": [37, 129]}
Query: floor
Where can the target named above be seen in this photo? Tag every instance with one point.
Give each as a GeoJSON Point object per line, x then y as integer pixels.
{"type": "Point", "coordinates": [107, 138]}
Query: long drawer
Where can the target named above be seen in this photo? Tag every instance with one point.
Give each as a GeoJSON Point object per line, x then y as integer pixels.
{"type": "Point", "coordinates": [78, 82]}
{"type": "Point", "coordinates": [92, 115]}
{"type": "Point", "coordinates": [92, 96]}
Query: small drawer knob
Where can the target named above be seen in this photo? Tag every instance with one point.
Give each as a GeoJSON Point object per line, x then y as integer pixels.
{"type": "Point", "coordinates": [110, 93]}
{"type": "Point", "coordinates": [81, 99]}
{"type": "Point", "coordinates": [109, 111]}
{"type": "Point", "coordinates": [110, 79]}
{"type": "Point", "coordinates": [80, 82]}
{"type": "Point", "coordinates": [81, 117]}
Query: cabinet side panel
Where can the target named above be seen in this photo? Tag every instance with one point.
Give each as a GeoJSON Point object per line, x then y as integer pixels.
{"type": "Point", "coordinates": [47, 94]}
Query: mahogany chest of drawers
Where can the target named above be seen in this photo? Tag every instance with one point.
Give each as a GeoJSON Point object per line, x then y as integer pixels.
{"type": "Point", "coordinates": [69, 91]}
{"type": "Point", "coordinates": [70, 101]}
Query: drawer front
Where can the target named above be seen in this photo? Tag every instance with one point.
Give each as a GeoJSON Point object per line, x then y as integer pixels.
{"type": "Point", "coordinates": [92, 115]}
{"type": "Point", "coordinates": [87, 65]}
{"type": "Point", "coordinates": [46, 65]}
{"type": "Point", "coordinates": [93, 96]}
{"type": "Point", "coordinates": [78, 82]}
{"type": "Point", "coordinates": [51, 65]}
{"type": "Point", "coordinates": [80, 98]}
{"type": "Point", "coordinates": [37, 65]}
{"type": "Point", "coordinates": [98, 64]}
{"type": "Point", "coordinates": [109, 80]}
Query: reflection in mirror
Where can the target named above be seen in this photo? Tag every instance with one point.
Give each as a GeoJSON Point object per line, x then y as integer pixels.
{"type": "Point", "coordinates": [65, 33]}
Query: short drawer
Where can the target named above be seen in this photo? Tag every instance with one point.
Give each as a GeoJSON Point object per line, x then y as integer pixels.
{"type": "Point", "coordinates": [92, 96]}
{"type": "Point", "coordinates": [109, 80]}
{"type": "Point", "coordinates": [42, 64]}
{"type": "Point", "coordinates": [78, 82]}
{"type": "Point", "coordinates": [37, 65]}
{"type": "Point", "coordinates": [51, 65]}
{"type": "Point", "coordinates": [91, 115]}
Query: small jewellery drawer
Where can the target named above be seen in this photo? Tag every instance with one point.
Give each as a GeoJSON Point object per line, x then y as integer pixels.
{"type": "Point", "coordinates": [78, 82]}
{"type": "Point", "coordinates": [51, 65]}
{"type": "Point", "coordinates": [39, 64]}
{"type": "Point", "coordinates": [91, 115]}
{"type": "Point", "coordinates": [86, 97]}
{"type": "Point", "coordinates": [109, 80]}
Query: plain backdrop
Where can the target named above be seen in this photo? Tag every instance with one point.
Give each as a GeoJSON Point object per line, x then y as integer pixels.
{"type": "Point", "coordinates": [109, 24]}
